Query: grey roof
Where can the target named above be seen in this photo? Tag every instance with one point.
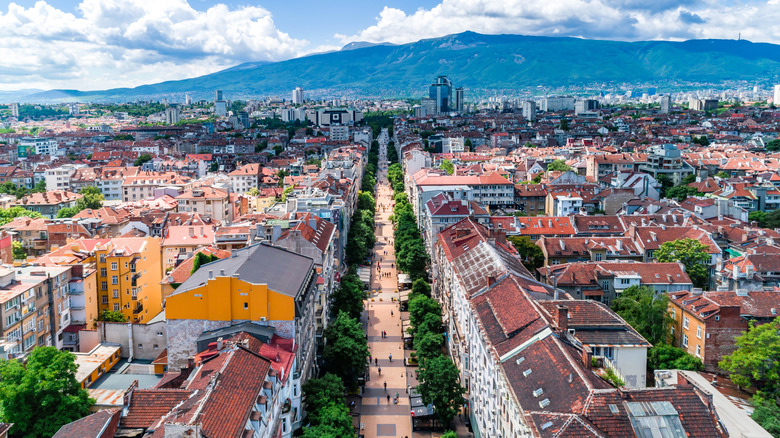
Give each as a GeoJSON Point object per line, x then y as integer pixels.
{"type": "Point", "coordinates": [283, 271]}
{"type": "Point", "coordinates": [261, 333]}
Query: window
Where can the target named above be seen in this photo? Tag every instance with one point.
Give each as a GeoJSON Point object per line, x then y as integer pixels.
{"type": "Point", "coordinates": [103, 285]}
{"type": "Point", "coordinates": [114, 266]}
{"type": "Point", "coordinates": [672, 330]}
{"type": "Point", "coordinates": [105, 299]}
{"type": "Point", "coordinates": [114, 279]}
{"type": "Point", "coordinates": [246, 305]}
{"type": "Point", "coordinates": [116, 307]}
{"type": "Point", "coordinates": [103, 272]}
{"type": "Point", "coordinates": [625, 280]}
{"type": "Point", "coordinates": [685, 322]}
{"type": "Point", "coordinates": [685, 341]}
{"type": "Point", "coordinates": [698, 350]}
{"type": "Point", "coordinates": [698, 332]}
{"type": "Point", "coordinates": [115, 293]}
{"type": "Point", "coordinates": [674, 313]}
{"type": "Point", "coordinates": [597, 257]}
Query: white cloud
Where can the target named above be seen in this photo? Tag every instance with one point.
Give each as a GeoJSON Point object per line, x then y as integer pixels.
{"type": "Point", "coordinates": [601, 19]}
{"type": "Point", "coordinates": [113, 43]}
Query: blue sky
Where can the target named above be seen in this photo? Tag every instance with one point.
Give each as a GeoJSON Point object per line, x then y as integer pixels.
{"type": "Point", "coordinates": [98, 44]}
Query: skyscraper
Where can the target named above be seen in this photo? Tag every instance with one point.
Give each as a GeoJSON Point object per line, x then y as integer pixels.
{"type": "Point", "coordinates": [14, 110]}
{"type": "Point", "coordinates": [218, 95]}
{"type": "Point", "coordinates": [172, 115]}
{"type": "Point", "coordinates": [441, 92]}
{"type": "Point", "coordinates": [187, 100]}
{"type": "Point", "coordinates": [777, 95]}
{"type": "Point", "coordinates": [297, 96]}
{"type": "Point", "coordinates": [459, 99]}
{"type": "Point", "coordinates": [666, 104]}
{"type": "Point", "coordinates": [529, 110]}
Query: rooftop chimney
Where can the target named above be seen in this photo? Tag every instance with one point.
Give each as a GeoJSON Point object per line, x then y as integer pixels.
{"type": "Point", "coordinates": [491, 280]}
{"type": "Point", "coordinates": [562, 318]}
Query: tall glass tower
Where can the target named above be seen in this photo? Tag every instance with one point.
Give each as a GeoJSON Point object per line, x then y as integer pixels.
{"type": "Point", "coordinates": [441, 92]}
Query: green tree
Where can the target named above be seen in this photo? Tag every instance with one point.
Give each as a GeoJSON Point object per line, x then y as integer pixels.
{"type": "Point", "coordinates": [646, 312]}
{"type": "Point", "coordinates": [758, 216]}
{"type": "Point", "coordinates": [278, 149]}
{"type": "Point", "coordinates": [202, 259]}
{"type": "Point", "coordinates": [143, 158]}
{"type": "Point", "coordinates": [92, 198]}
{"type": "Point", "coordinates": [447, 166]}
{"type": "Point", "coordinates": [124, 137]}
{"type": "Point", "coordinates": [40, 187]}
{"type": "Point", "coordinates": [18, 250]}
{"type": "Point", "coordinates": [112, 316]}
{"type": "Point", "coordinates": [421, 287]}
{"type": "Point", "coordinates": [254, 191]}
{"type": "Point", "coordinates": [722, 174]}
{"type": "Point", "coordinates": [419, 306]}
{"type": "Point", "coordinates": [365, 201]}
{"type": "Point", "coordinates": [564, 124]}
{"type": "Point", "coordinates": [286, 192]}
{"type": "Point", "coordinates": [318, 393]}
{"type": "Point", "coordinates": [669, 357]}
{"type": "Point", "coordinates": [428, 344]}
{"type": "Point", "coordinates": [349, 296]}
{"type": "Point", "coordinates": [440, 385]}
{"type": "Point", "coordinates": [450, 434]}
{"type": "Point", "coordinates": [773, 219]}
{"type": "Point", "coordinates": [756, 361]}
{"type": "Point", "coordinates": [558, 165]}
{"type": "Point", "coordinates": [773, 146]}
{"type": "Point", "coordinates": [415, 260]}
{"type": "Point", "coordinates": [67, 212]}
{"type": "Point", "coordinates": [43, 394]}
{"type": "Point", "coordinates": [214, 166]}
{"type": "Point", "coordinates": [682, 192]}
{"type": "Point", "coordinates": [9, 214]}
{"type": "Point", "coordinates": [666, 184]}
{"type": "Point", "coordinates": [530, 253]}
{"type": "Point", "coordinates": [766, 413]}
{"type": "Point", "coordinates": [692, 254]}
{"type": "Point", "coordinates": [346, 349]}
{"type": "Point", "coordinates": [468, 145]}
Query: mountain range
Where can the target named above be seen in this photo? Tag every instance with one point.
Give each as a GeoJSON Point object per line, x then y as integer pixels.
{"type": "Point", "coordinates": [473, 61]}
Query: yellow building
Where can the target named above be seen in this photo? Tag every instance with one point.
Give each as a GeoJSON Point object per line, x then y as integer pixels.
{"type": "Point", "coordinates": [97, 362]}
{"type": "Point", "coordinates": [129, 274]}
{"type": "Point", "coordinates": [689, 329]}
{"type": "Point", "coordinates": [261, 284]}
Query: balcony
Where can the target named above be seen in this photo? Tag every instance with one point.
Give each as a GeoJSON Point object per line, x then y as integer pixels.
{"type": "Point", "coordinates": [138, 309]}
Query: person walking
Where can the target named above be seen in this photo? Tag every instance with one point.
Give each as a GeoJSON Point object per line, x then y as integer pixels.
{"type": "Point", "coordinates": [385, 386]}
{"type": "Point", "coordinates": [380, 370]}
{"type": "Point", "coordinates": [390, 356]}
{"type": "Point", "coordinates": [376, 361]}
{"type": "Point", "coordinates": [388, 398]}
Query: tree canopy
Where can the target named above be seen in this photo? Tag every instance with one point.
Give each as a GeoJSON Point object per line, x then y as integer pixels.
{"type": "Point", "coordinates": [692, 254]}
{"type": "Point", "coordinates": [530, 253]}
{"type": "Point", "coordinates": [756, 361]}
{"type": "Point", "coordinates": [447, 166]}
{"type": "Point", "coordinates": [9, 214]}
{"type": "Point", "coordinates": [346, 349]}
{"type": "Point", "coordinates": [43, 394]}
{"type": "Point", "coordinates": [558, 165]}
{"type": "Point", "coordinates": [669, 357]}
{"type": "Point", "coordinates": [646, 312]}
{"type": "Point", "coordinates": [440, 385]}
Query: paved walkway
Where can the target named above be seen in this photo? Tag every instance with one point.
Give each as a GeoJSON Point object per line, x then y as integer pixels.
{"type": "Point", "coordinates": [382, 417]}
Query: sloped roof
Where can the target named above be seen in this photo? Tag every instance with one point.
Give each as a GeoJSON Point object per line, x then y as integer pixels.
{"type": "Point", "coordinates": [283, 271]}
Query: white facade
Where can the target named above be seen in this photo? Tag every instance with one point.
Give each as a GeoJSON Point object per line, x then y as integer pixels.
{"type": "Point", "coordinates": [777, 95]}
{"type": "Point", "coordinates": [452, 144]}
{"type": "Point", "coordinates": [566, 205]}
{"type": "Point", "coordinates": [43, 146]}
{"type": "Point", "coordinates": [59, 178]}
{"type": "Point", "coordinates": [297, 96]}
{"type": "Point", "coordinates": [339, 133]}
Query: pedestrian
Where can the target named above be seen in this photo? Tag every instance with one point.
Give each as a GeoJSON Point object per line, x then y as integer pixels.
{"type": "Point", "coordinates": [376, 361]}
{"type": "Point", "coordinates": [390, 356]}
{"type": "Point", "coordinates": [391, 312]}
{"type": "Point", "coordinates": [380, 370]}
{"type": "Point", "coordinates": [388, 398]}
{"type": "Point", "coordinates": [385, 386]}
{"type": "Point", "coordinates": [369, 359]}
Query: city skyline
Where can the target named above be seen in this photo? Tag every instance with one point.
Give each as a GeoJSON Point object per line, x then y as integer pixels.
{"type": "Point", "coordinates": [97, 44]}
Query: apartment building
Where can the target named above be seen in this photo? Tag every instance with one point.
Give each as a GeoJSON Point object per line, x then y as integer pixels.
{"type": "Point", "coordinates": [48, 204]}
{"type": "Point", "coordinates": [707, 323]}
{"type": "Point", "coordinates": [263, 284]}
{"type": "Point", "coordinates": [207, 201]}
{"type": "Point", "coordinates": [34, 306]}
{"type": "Point", "coordinates": [245, 178]}
{"type": "Point", "coordinates": [129, 274]}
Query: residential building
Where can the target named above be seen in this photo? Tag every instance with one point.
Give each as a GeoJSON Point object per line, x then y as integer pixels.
{"type": "Point", "coordinates": [245, 178]}
{"type": "Point", "coordinates": [666, 160]}
{"type": "Point", "coordinates": [172, 115]}
{"type": "Point", "coordinates": [604, 281]}
{"type": "Point", "coordinates": [529, 110]}
{"type": "Point", "coordinates": [207, 201]}
{"type": "Point", "coordinates": [181, 241]}
{"type": "Point", "coordinates": [297, 96]}
{"type": "Point", "coordinates": [101, 424]}
{"type": "Point", "coordinates": [560, 250]}
{"type": "Point", "coordinates": [707, 323]}
{"type": "Point", "coordinates": [49, 203]}
{"type": "Point", "coordinates": [266, 285]}
{"type": "Point", "coordinates": [666, 104]}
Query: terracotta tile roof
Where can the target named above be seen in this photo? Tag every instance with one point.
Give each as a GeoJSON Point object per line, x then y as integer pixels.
{"type": "Point", "coordinates": [97, 425]}
{"type": "Point", "coordinates": [589, 273]}
{"type": "Point", "coordinates": [705, 305]}
{"type": "Point", "coordinates": [148, 406]}
{"type": "Point", "coordinates": [598, 224]}
{"type": "Point", "coordinates": [53, 197]}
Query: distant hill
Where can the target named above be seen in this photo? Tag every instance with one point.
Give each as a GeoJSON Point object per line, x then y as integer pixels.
{"type": "Point", "coordinates": [473, 60]}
